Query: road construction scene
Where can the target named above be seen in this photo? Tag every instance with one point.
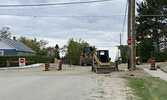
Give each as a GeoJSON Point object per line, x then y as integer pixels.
{"type": "Point", "coordinates": [83, 50]}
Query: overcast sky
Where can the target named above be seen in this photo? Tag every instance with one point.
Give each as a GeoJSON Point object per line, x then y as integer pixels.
{"type": "Point", "coordinates": [103, 32]}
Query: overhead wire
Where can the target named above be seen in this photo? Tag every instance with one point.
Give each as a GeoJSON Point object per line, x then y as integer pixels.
{"type": "Point", "coordinates": [152, 15]}
{"type": "Point", "coordinates": [124, 18]}
{"type": "Point", "coordinates": [121, 34]}
{"type": "Point", "coordinates": [109, 16]}
{"type": "Point", "coordinates": [61, 16]}
{"type": "Point", "coordinates": [56, 4]}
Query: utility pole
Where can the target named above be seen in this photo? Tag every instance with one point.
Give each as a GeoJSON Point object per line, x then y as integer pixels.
{"type": "Point", "coordinates": [120, 50]}
{"type": "Point", "coordinates": [129, 32]}
{"type": "Point", "coordinates": [133, 53]}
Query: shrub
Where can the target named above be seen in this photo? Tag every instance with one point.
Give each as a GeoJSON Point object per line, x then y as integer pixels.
{"type": "Point", "coordinates": [36, 58]}
{"type": "Point", "coordinates": [159, 56]}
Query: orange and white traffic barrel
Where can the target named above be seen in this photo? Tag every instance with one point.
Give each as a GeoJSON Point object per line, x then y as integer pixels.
{"type": "Point", "coordinates": [153, 64]}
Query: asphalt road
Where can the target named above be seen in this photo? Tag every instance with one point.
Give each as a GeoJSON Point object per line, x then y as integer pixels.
{"type": "Point", "coordinates": [35, 84]}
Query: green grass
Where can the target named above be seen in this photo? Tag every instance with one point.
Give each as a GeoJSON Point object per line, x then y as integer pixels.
{"type": "Point", "coordinates": [149, 88]}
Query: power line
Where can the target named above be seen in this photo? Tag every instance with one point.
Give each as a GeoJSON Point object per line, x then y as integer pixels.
{"type": "Point", "coordinates": [55, 4]}
{"type": "Point", "coordinates": [80, 16]}
{"type": "Point", "coordinates": [151, 15]}
{"type": "Point", "coordinates": [124, 19]}
{"type": "Point", "coordinates": [63, 16]}
{"type": "Point", "coordinates": [75, 16]}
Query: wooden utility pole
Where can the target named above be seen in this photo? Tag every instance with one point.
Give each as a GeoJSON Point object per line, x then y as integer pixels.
{"type": "Point", "coordinates": [129, 31]}
{"type": "Point", "coordinates": [133, 51]}
{"type": "Point", "coordinates": [120, 49]}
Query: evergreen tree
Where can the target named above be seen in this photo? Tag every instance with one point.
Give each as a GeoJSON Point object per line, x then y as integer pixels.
{"type": "Point", "coordinates": [152, 26]}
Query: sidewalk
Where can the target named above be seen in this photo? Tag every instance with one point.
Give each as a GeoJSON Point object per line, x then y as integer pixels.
{"type": "Point", "coordinates": [155, 73]}
{"type": "Point", "coordinates": [33, 65]}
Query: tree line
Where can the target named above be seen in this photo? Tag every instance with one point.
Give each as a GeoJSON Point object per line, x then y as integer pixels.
{"type": "Point", "coordinates": [39, 46]}
{"type": "Point", "coordinates": [71, 51]}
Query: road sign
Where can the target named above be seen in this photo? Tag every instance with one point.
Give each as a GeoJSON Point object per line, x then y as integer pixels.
{"type": "Point", "coordinates": [21, 61]}
{"type": "Point", "coordinates": [129, 41]}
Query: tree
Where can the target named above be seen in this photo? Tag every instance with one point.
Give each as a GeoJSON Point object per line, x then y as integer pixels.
{"type": "Point", "coordinates": [73, 50]}
{"type": "Point", "coordinates": [5, 32]}
{"type": "Point", "coordinates": [38, 46]}
{"type": "Point", "coordinates": [152, 27]}
{"type": "Point", "coordinates": [51, 52]}
{"type": "Point", "coordinates": [144, 49]}
{"type": "Point", "coordinates": [57, 52]}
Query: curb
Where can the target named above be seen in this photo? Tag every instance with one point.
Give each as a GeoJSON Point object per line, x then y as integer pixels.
{"type": "Point", "coordinates": [29, 66]}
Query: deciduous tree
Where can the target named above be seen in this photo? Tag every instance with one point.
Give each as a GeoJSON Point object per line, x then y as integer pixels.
{"type": "Point", "coordinates": [4, 32]}
{"type": "Point", "coordinates": [73, 50]}
{"type": "Point", "coordinates": [38, 46]}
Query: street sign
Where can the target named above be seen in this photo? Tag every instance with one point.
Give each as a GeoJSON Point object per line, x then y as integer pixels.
{"type": "Point", "coordinates": [129, 41]}
{"type": "Point", "coordinates": [22, 62]}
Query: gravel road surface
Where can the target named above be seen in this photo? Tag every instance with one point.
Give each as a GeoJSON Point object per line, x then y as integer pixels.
{"type": "Point", "coordinates": [72, 83]}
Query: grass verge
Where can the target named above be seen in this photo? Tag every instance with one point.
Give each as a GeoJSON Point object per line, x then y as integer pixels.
{"type": "Point", "coordinates": [148, 88]}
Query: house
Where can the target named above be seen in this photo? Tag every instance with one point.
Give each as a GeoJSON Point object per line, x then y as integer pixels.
{"type": "Point", "coordinates": [14, 47]}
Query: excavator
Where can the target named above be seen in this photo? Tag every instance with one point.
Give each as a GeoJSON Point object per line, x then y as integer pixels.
{"type": "Point", "coordinates": [86, 56]}
{"type": "Point", "coordinates": [101, 62]}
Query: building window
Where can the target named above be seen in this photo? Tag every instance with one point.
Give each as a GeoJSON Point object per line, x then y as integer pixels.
{"type": "Point", "coordinates": [1, 53]}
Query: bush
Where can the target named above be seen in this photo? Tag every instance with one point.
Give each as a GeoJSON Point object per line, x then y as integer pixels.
{"type": "Point", "coordinates": [36, 58]}
{"type": "Point", "coordinates": [159, 56]}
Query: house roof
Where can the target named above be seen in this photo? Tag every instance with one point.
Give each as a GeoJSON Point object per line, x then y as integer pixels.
{"type": "Point", "coordinates": [19, 46]}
